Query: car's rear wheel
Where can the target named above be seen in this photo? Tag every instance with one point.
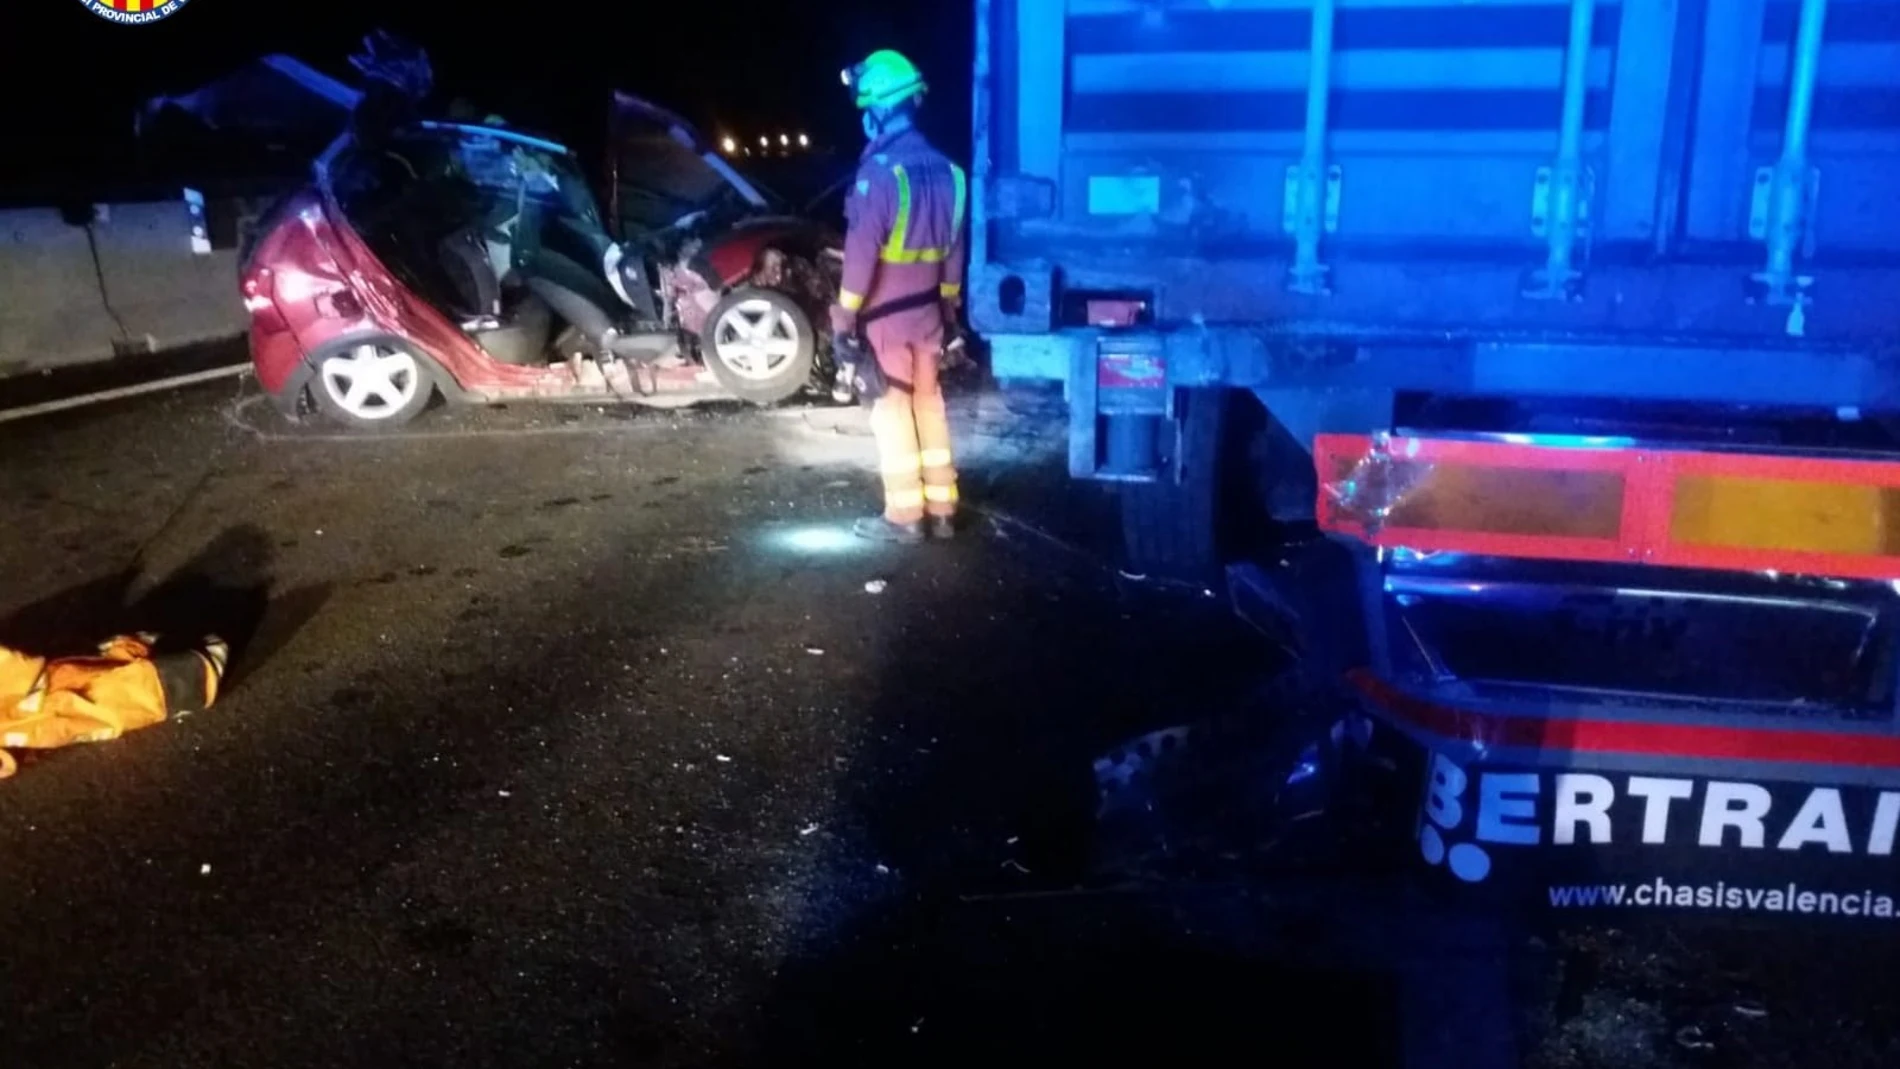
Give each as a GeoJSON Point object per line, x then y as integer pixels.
{"type": "Point", "coordinates": [760, 344]}
{"type": "Point", "coordinates": [371, 383]}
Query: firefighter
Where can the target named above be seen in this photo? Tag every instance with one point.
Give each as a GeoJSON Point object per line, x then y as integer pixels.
{"type": "Point", "coordinates": [902, 287]}
{"type": "Point", "coordinates": [126, 686]}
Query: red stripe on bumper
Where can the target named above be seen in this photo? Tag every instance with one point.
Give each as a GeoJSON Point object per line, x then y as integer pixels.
{"type": "Point", "coordinates": [1780, 745]}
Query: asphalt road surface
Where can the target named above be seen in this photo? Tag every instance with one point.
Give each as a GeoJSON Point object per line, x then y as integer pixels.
{"type": "Point", "coordinates": [582, 737]}
{"type": "Point", "coordinates": [577, 737]}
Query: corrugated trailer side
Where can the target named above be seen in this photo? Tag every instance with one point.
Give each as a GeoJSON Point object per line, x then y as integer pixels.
{"type": "Point", "coordinates": [1671, 200]}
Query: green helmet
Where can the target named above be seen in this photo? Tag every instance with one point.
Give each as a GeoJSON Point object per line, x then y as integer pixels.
{"type": "Point", "coordinates": [884, 80]}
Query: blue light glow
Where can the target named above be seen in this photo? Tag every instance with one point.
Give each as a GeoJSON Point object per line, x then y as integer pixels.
{"type": "Point", "coordinates": [1568, 441]}
{"type": "Point", "coordinates": [1138, 194]}
{"type": "Point", "coordinates": [817, 540]}
{"type": "Point", "coordinates": [497, 134]}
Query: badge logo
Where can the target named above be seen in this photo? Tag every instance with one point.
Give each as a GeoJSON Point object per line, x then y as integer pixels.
{"type": "Point", "coordinates": [1582, 809]}
{"type": "Point", "coordinates": [133, 12]}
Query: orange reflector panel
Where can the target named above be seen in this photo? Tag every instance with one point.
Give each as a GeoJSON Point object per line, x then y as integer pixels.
{"type": "Point", "coordinates": [1513, 501]}
{"type": "Point", "coordinates": [1741, 512]}
{"type": "Point", "coordinates": [1781, 514]}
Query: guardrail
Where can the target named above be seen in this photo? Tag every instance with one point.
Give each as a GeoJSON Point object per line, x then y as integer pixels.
{"type": "Point", "coordinates": [124, 280]}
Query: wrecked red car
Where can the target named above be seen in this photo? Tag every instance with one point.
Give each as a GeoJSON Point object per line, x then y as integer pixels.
{"type": "Point", "coordinates": [473, 262]}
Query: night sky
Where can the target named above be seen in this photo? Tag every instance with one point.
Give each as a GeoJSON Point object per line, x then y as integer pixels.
{"type": "Point", "coordinates": [738, 65]}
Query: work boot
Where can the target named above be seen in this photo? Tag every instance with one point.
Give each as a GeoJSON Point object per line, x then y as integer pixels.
{"type": "Point", "coordinates": [942, 528]}
{"type": "Point", "coordinates": [879, 529]}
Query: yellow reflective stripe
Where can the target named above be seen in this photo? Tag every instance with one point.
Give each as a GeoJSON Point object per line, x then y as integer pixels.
{"type": "Point", "coordinates": [935, 458]}
{"type": "Point", "coordinates": [963, 195]}
{"type": "Point", "coordinates": [894, 251]}
{"type": "Point", "coordinates": [905, 465]}
{"type": "Point", "coordinates": [900, 227]}
{"type": "Point", "coordinates": [850, 302]}
{"type": "Point", "coordinates": [941, 495]}
{"type": "Point", "coordinates": [903, 499]}
{"type": "Point", "coordinates": [950, 289]}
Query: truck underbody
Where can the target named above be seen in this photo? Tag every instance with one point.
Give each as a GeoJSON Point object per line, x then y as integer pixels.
{"type": "Point", "coordinates": [1563, 332]}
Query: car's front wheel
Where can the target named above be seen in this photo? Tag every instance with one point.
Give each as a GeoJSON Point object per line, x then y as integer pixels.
{"type": "Point", "coordinates": [760, 344]}
{"type": "Point", "coordinates": [372, 383]}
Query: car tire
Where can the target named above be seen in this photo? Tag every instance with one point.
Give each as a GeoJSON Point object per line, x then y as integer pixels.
{"type": "Point", "coordinates": [372, 383]}
{"type": "Point", "coordinates": [760, 345]}
{"type": "Point", "coordinates": [1171, 527]}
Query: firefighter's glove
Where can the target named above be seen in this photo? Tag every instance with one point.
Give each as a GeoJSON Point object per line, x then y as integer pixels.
{"type": "Point", "coordinates": [956, 346]}
{"type": "Point", "coordinates": [956, 340]}
{"type": "Point", "coordinates": [858, 367]}
{"type": "Point", "coordinates": [848, 349]}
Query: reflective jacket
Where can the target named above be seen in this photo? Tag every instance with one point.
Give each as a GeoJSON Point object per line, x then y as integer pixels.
{"type": "Point", "coordinates": [50, 703]}
{"type": "Point", "coordinates": [904, 242]}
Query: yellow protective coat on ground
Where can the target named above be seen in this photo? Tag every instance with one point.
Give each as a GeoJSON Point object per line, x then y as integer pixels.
{"type": "Point", "coordinates": [46, 704]}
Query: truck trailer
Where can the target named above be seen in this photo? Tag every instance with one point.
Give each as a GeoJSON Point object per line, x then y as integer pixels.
{"type": "Point", "coordinates": [1553, 343]}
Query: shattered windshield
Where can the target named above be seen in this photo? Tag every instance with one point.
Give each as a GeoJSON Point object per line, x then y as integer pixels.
{"type": "Point", "coordinates": [465, 173]}
{"type": "Point", "coordinates": [544, 177]}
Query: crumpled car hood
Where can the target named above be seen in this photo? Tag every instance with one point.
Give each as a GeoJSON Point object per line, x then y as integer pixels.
{"type": "Point", "coordinates": [663, 168]}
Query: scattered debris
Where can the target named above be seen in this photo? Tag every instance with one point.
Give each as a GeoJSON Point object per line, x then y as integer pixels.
{"type": "Point", "coordinates": [504, 794]}
{"type": "Point", "coordinates": [883, 870]}
{"type": "Point", "coordinates": [204, 870]}
{"type": "Point", "coordinates": [814, 651]}
{"type": "Point", "coordinates": [1013, 840]}
{"type": "Point", "coordinates": [1016, 865]}
{"type": "Point", "coordinates": [1691, 1037]}
{"type": "Point", "coordinates": [722, 759]}
{"type": "Point", "coordinates": [809, 829]}
{"type": "Point", "coordinates": [1136, 761]}
{"type": "Point", "coordinates": [875, 586]}
{"type": "Point", "coordinates": [1751, 1009]}
{"type": "Point", "coordinates": [916, 1025]}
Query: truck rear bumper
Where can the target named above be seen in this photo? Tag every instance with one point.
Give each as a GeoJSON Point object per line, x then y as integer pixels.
{"type": "Point", "coordinates": [1605, 808]}
{"type": "Point", "coordinates": [1584, 738]}
{"type": "Point", "coordinates": [1834, 378]}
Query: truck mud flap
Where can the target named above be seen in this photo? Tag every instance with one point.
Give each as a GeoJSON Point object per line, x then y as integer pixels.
{"type": "Point", "coordinates": [1171, 520]}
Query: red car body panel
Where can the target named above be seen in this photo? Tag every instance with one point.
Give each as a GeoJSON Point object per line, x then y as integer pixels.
{"type": "Point", "coordinates": [736, 253]}
{"type": "Point", "coordinates": [297, 292]}
{"type": "Point", "coordinates": [312, 281]}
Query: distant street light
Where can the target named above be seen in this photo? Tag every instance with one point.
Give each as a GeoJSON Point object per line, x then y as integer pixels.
{"type": "Point", "coordinates": [729, 145]}
{"type": "Point", "coordinates": [785, 139]}
{"type": "Point", "coordinates": [765, 142]}
{"type": "Point", "coordinates": [803, 141]}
